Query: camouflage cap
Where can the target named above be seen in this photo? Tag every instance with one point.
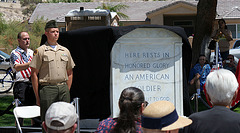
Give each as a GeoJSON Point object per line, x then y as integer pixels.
{"type": "Point", "coordinates": [51, 24]}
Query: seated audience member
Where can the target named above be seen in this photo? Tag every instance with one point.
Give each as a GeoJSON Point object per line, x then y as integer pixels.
{"type": "Point", "coordinates": [199, 73]}
{"type": "Point", "coordinates": [131, 104]}
{"type": "Point", "coordinates": [162, 117]}
{"type": "Point", "coordinates": [221, 89]}
{"type": "Point", "coordinates": [60, 117]}
{"type": "Point", "coordinates": [230, 64]}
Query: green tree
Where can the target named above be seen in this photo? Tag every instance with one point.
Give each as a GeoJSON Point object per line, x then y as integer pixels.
{"type": "Point", "coordinates": [36, 31]}
{"type": "Point", "coordinates": [8, 39]}
{"type": "Point", "coordinates": [115, 8]}
{"type": "Point", "coordinates": [37, 28]}
{"type": "Point", "coordinates": [28, 2]}
{"type": "Point", "coordinates": [3, 25]}
{"type": "Point", "coordinates": [29, 6]}
{"type": "Point", "coordinates": [29, 10]}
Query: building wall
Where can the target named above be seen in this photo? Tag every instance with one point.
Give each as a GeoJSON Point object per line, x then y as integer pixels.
{"type": "Point", "coordinates": [166, 16]}
{"type": "Point", "coordinates": [158, 19]}
{"type": "Point", "coordinates": [127, 23]}
{"type": "Point", "coordinates": [186, 22]}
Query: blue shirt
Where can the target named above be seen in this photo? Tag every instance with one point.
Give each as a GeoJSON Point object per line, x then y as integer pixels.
{"type": "Point", "coordinates": [203, 71]}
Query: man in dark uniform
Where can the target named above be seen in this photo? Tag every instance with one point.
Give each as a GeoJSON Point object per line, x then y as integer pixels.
{"type": "Point", "coordinates": [54, 65]}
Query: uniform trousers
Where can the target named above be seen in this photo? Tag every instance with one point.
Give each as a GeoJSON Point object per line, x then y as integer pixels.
{"type": "Point", "coordinates": [52, 93]}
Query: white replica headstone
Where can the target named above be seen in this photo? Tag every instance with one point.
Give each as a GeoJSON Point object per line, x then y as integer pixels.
{"type": "Point", "coordinates": [151, 60]}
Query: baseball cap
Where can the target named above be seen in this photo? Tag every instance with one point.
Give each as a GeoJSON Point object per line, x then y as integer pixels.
{"type": "Point", "coordinates": [62, 112]}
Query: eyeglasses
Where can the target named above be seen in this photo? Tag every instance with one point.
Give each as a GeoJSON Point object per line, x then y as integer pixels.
{"type": "Point", "coordinates": [230, 58]}
{"type": "Point", "coordinates": [201, 59]}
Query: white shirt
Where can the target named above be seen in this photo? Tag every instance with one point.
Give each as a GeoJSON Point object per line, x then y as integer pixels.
{"type": "Point", "coordinates": [19, 56]}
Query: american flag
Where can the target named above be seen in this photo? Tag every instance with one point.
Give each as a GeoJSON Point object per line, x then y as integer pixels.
{"type": "Point", "coordinates": [217, 64]}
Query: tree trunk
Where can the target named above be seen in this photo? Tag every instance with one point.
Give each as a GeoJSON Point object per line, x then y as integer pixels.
{"type": "Point", "coordinates": [206, 13]}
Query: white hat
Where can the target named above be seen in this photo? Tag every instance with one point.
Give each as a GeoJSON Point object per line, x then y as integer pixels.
{"type": "Point", "coordinates": [62, 112]}
{"type": "Point", "coordinates": [162, 115]}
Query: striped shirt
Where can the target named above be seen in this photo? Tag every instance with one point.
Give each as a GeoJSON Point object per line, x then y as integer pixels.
{"type": "Point", "coordinates": [19, 56]}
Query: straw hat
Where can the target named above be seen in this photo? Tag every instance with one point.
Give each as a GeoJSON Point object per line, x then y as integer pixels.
{"type": "Point", "coordinates": [162, 115]}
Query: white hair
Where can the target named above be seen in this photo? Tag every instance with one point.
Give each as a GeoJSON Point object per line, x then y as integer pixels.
{"type": "Point", "coordinates": [221, 86]}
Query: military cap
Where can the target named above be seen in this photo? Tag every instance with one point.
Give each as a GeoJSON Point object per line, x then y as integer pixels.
{"type": "Point", "coordinates": [51, 24]}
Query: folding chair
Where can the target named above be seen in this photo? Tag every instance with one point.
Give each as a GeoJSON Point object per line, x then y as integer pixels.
{"type": "Point", "coordinates": [26, 112]}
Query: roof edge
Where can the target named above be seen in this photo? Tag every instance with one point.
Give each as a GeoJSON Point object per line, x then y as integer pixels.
{"type": "Point", "coordinates": [172, 4]}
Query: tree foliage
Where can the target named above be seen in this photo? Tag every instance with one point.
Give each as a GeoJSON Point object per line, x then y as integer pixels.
{"type": "Point", "coordinates": [115, 8]}
{"type": "Point", "coordinates": [28, 2]}
{"type": "Point", "coordinates": [8, 38]}
{"type": "Point", "coordinates": [29, 10]}
{"type": "Point", "coordinates": [38, 26]}
{"type": "Point", "coordinates": [3, 25]}
{"type": "Point", "coordinates": [29, 6]}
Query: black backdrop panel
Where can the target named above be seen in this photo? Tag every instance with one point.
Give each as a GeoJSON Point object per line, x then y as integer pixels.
{"type": "Point", "coordinates": [90, 48]}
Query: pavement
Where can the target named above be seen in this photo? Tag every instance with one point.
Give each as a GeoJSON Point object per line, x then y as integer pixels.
{"type": "Point", "coordinates": [10, 93]}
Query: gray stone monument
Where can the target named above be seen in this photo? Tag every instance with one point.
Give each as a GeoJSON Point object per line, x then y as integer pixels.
{"type": "Point", "coordinates": [151, 60]}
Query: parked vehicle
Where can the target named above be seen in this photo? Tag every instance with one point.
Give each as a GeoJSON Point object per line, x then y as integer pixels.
{"type": "Point", "coordinates": [6, 76]}
{"type": "Point", "coordinates": [234, 51]}
{"type": "Point", "coordinates": [4, 60]}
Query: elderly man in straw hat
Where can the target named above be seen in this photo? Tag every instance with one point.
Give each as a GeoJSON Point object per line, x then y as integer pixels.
{"type": "Point", "coordinates": [60, 117]}
{"type": "Point", "coordinates": [162, 117]}
{"type": "Point", "coordinates": [221, 88]}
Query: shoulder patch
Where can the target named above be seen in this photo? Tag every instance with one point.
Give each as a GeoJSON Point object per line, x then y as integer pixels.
{"type": "Point", "coordinates": [35, 52]}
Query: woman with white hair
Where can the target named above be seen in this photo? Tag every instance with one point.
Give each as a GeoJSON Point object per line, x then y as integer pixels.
{"type": "Point", "coordinates": [221, 89]}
